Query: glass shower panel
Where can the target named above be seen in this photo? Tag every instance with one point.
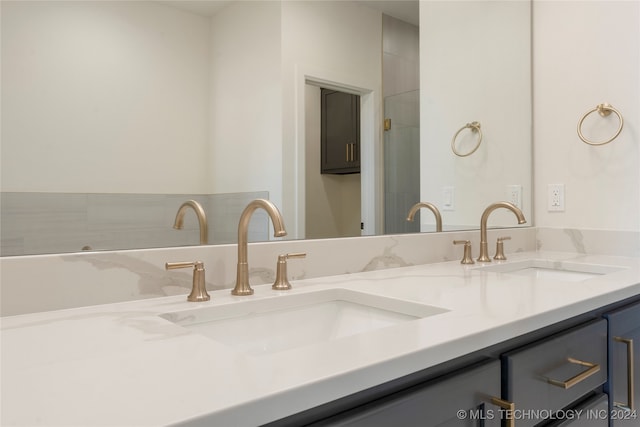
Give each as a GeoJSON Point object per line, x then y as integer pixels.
{"type": "Point", "coordinates": [402, 161]}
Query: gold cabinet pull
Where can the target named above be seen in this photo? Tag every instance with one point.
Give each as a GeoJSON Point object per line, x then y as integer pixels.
{"type": "Point", "coordinates": [350, 152]}
{"type": "Point", "coordinates": [510, 407]}
{"type": "Point", "coordinates": [593, 368]}
{"type": "Point", "coordinates": [630, 375]}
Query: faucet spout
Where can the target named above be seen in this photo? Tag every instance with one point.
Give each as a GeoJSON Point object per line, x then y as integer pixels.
{"type": "Point", "coordinates": [242, 279]}
{"type": "Point", "coordinates": [484, 249]}
{"type": "Point", "coordinates": [202, 219]}
{"type": "Point", "coordinates": [431, 207]}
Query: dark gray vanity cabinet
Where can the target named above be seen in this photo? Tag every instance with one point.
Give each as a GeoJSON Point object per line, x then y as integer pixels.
{"type": "Point", "coordinates": [550, 375]}
{"type": "Point", "coordinates": [340, 132]}
{"type": "Point", "coordinates": [463, 399]}
{"type": "Point", "coordinates": [581, 372]}
{"type": "Point", "coordinates": [623, 386]}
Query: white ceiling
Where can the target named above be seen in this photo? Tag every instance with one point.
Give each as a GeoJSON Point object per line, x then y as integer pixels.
{"type": "Point", "coordinates": [405, 10]}
{"type": "Point", "coordinates": [201, 7]}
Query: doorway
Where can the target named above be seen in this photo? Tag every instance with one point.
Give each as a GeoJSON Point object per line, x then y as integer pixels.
{"type": "Point", "coordinates": [333, 201]}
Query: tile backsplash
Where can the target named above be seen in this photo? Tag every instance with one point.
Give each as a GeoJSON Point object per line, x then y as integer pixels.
{"type": "Point", "coordinates": [589, 241]}
{"type": "Point", "coordinates": [42, 223]}
{"type": "Point", "coordinates": [51, 282]}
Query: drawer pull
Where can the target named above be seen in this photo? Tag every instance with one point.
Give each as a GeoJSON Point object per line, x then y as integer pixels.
{"type": "Point", "coordinates": [593, 368]}
{"type": "Point", "coordinates": [510, 407]}
{"type": "Point", "coordinates": [630, 375]}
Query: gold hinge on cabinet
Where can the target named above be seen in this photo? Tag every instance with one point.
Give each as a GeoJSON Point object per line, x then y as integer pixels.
{"type": "Point", "coordinates": [387, 124]}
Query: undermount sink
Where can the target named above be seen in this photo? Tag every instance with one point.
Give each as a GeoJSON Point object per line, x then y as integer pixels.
{"type": "Point", "coordinates": [550, 269]}
{"type": "Point", "coordinates": [283, 322]}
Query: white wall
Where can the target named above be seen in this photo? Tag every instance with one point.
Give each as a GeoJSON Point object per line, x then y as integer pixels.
{"type": "Point", "coordinates": [338, 45]}
{"type": "Point", "coordinates": [90, 89]}
{"type": "Point", "coordinates": [587, 53]}
{"type": "Point", "coordinates": [262, 54]}
{"type": "Point", "coordinates": [266, 59]}
{"type": "Point", "coordinates": [475, 66]}
{"type": "Point", "coordinates": [246, 106]}
{"type": "Point", "coordinates": [204, 96]}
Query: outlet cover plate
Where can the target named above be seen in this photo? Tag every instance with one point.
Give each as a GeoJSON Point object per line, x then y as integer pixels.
{"type": "Point", "coordinates": [555, 197]}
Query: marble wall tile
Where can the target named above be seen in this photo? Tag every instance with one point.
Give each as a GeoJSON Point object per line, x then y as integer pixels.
{"type": "Point", "coordinates": [51, 282]}
{"type": "Point", "coordinates": [586, 241]}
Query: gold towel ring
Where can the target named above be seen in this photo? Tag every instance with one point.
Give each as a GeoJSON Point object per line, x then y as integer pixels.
{"type": "Point", "coordinates": [475, 127]}
{"type": "Point", "coordinates": [604, 110]}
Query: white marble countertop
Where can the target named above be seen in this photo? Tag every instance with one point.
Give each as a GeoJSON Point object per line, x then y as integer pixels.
{"type": "Point", "coordinates": [123, 365]}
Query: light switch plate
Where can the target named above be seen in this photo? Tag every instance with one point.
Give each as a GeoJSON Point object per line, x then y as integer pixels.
{"type": "Point", "coordinates": [448, 198]}
{"type": "Point", "coordinates": [514, 195]}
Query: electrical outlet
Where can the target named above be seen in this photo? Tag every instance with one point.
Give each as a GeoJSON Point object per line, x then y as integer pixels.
{"type": "Point", "coordinates": [448, 198]}
{"type": "Point", "coordinates": [555, 197]}
{"type": "Point", "coordinates": [514, 195]}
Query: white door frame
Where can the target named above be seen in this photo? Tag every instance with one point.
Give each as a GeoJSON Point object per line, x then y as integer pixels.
{"type": "Point", "coordinates": [371, 162]}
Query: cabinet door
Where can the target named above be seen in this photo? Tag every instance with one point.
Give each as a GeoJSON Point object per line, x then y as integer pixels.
{"type": "Point", "coordinates": [549, 375]}
{"type": "Point", "coordinates": [461, 399]}
{"type": "Point", "coordinates": [624, 366]}
{"type": "Point", "coordinates": [340, 132]}
{"type": "Point", "coordinates": [593, 413]}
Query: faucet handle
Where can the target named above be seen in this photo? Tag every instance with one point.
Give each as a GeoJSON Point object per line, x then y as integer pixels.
{"type": "Point", "coordinates": [198, 289]}
{"type": "Point", "coordinates": [500, 248]}
{"type": "Point", "coordinates": [467, 258]}
{"type": "Point", "coordinates": [282, 283]}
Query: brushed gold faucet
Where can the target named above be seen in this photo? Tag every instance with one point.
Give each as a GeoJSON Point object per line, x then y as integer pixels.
{"type": "Point", "coordinates": [499, 256]}
{"type": "Point", "coordinates": [466, 258]}
{"type": "Point", "coordinates": [484, 250]}
{"type": "Point", "coordinates": [202, 219]}
{"type": "Point", "coordinates": [282, 282]}
{"type": "Point", "coordinates": [242, 279]}
{"type": "Point", "coordinates": [198, 287]}
{"type": "Point", "coordinates": [431, 207]}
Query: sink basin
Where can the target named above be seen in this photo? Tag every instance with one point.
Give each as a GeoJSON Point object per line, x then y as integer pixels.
{"type": "Point", "coordinates": [283, 322]}
{"type": "Point", "coordinates": [549, 269]}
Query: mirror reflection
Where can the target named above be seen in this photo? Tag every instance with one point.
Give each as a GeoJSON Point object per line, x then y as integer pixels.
{"type": "Point", "coordinates": [116, 113]}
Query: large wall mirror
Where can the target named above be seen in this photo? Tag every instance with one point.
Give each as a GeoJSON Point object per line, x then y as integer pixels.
{"type": "Point", "coordinates": [116, 112]}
